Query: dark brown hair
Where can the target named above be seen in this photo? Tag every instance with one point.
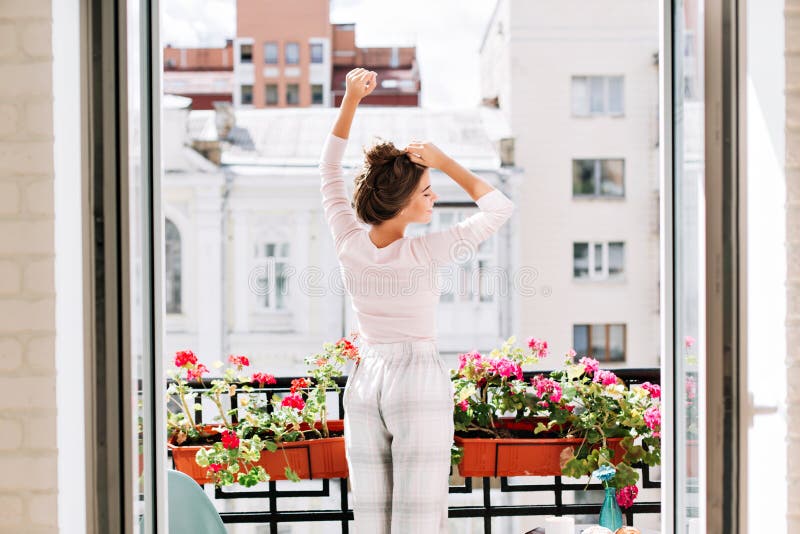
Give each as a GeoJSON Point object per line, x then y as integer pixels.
{"type": "Point", "coordinates": [386, 183]}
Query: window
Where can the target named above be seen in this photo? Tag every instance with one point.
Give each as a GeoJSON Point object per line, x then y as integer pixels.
{"type": "Point", "coordinates": [292, 53]}
{"type": "Point", "coordinates": [292, 94]}
{"type": "Point", "coordinates": [247, 94]}
{"type": "Point", "coordinates": [271, 53]}
{"type": "Point", "coordinates": [172, 263]}
{"type": "Point", "coordinates": [246, 53]}
{"type": "Point", "coordinates": [598, 177]}
{"type": "Point", "coordinates": [603, 342]}
{"type": "Point", "coordinates": [316, 53]}
{"type": "Point", "coordinates": [272, 261]}
{"type": "Point", "coordinates": [597, 95]}
{"type": "Point", "coordinates": [271, 94]}
{"type": "Point", "coordinates": [598, 260]}
{"type": "Point", "coordinates": [316, 93]}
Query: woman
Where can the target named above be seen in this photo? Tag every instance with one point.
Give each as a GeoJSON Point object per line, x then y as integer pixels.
{"type": "Point", "coordinates": [398, 399]}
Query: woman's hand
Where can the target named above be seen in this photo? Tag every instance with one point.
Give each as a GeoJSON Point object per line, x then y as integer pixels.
{"type": "Point", "coordinates": [359, 83]}
{"type": "Point", "coordinates": [426, 153]}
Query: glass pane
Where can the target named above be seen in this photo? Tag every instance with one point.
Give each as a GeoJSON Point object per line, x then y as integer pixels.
{"type": "Point", "coordinates": [281, 287]}
{"type": "Point", "coordinates": [616, 342]}
{"type": "Point", "coordinates": [246, 53]}
{"type": "Point", "coordinates": [597, 258]}
{"type": "Point", "coordinates": [272, 94]}
{"type": "Point", "coordinates": [172, 263]}
{"type": "Point", "coordinates": [292, 93]}
{"type": "Point", "coordinates": [583, 177]}
{"type": "Point", "coordinates": [580, 260]}
{"type": "Point", "coordinates": [580, 339]}
{"type": "Point", "coordinates": [316, 53]}
{"type": "Point", "coordinates": [247, 94]}
{"type": "Point", "coordinates": [270, 52]}
{"type": "Point", "coordinates": [598, 339]}
{"type": "Point", "coordinates": [616, 101]}
{"type": "Point", "coordinates": [316, 94]}
{"type": "Point", "coordinates": [580, 96]}
{"type": "Point", "coordinates": [689, 264]}
{"type": "Point", "coordinates": [597, 89]}
{"type": "Point", "coordinates": [612, 177]}
{"type": "Point", "coordinates": [616, 259]}
{"type": "Point", "coordinates": [292, 53]}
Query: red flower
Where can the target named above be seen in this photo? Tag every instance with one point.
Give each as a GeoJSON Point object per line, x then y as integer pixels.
{"type": "Point", "coordinates": [263, 378]}
{"type": "Point", "coordinates": [626, 496]}
{"type": "Point", "coordinates": [239, 361]}
{"type": "Point", "coordinates": [299, 383]}
{"type": "Point", "coordinates": [184, 358]}
{"type": "Point", "coordinates": [196, 373]}
{"type": "Point", "coordinates": [294, 400]}
{"type": "Point", "coordinates": [215, 468]}
{"type": "Point", "coordinates": [230, 440]}
{"type": "Point", "coordinates": [349, 350]}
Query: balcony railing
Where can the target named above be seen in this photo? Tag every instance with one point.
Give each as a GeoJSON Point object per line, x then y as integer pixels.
{"type": "Point", "coordinates": [270, 513]}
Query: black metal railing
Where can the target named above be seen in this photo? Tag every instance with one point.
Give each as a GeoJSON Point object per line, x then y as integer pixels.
{"type": "Point", "coordinates": [272, 515]}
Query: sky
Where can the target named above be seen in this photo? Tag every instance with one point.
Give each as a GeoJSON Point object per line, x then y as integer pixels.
{"type": "Point", "coordinates": [447, 34]}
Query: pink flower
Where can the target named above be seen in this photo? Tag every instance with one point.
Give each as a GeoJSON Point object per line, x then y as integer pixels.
{"type": "Point", "coordinates": [571, 355]}
{"type": "Point", "coordinates": [505, 367]}
{"type": "Point", "coordinates": [688, 341]}
{"type": "Point", "coordinates": [626, 496]}
{"type": "Point", "coordinates": [263, 378]}
{"type": "Point", "coordinates": [473, 358]}
{"type": "Point", "coordinates": [184, 358]}
{"type": "Point", "coordinates": [230, 440]}
{"type": "Point", "coordinates": [539, 346]}
{"type": "Point", "coordinates": [652, 418]}
{"type": "Point", "coordinates": [691, 387]}
{"type": "Point", "coordinates": [464, 404]}
{"type": "Point", "coordinates": [196, 373]}
{"type": "Point", "coordinates": [239, 361]}
{"type": "Point", "coordinates": [294, 400]}
{"type": "Point", "coordinates": [653, 389]}
{"type": "Point", "coordinates": [215, 468]}
{"type": "Point", "coordinates": [547, 386]}
{"type": "Point", "coordinates": [607, 378]}
{"type": "Point", "coordinates": [590, 365]}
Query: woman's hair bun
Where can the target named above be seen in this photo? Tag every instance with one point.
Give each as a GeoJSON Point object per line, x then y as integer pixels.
{"type": "Point", "coordinates": [382, 153]}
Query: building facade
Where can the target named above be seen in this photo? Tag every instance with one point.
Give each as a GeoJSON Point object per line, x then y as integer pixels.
{"type": "Point", "coordinates": [578, 84]}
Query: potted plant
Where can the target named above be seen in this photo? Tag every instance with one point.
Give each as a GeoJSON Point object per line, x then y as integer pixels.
{"type": "Point", "coordinates": [279, 438]}
{"type": "Point", "coordinates": [565, 424]}
{"type": "Point", "coordinates": [186, 438]}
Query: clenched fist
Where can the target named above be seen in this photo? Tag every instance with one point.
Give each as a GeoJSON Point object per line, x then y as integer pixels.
{"type": "Point", "coordinates": [359, 83]}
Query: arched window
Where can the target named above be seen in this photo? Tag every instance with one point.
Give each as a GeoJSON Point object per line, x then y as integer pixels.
{"type": "Point", "coordinates": [172, 262]}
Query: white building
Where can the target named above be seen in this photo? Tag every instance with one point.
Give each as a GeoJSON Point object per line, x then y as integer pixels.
{"type": "Point", "coordinates": [255, 262]}
{"type": "Point", "coordinates": [578, 83]}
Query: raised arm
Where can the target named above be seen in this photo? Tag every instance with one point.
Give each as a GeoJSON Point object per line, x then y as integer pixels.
{"type": "Point", "coordinates": [336, 205]}
{"type": "Point", "coordinates": [461, 241]}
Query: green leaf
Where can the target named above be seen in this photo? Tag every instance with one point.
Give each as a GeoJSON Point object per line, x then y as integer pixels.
{"type": "Point", "coordinates": [291, 475]}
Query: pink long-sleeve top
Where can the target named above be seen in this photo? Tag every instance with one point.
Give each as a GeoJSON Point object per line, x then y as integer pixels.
{"type": "Point", "coordinates": [395, 289]}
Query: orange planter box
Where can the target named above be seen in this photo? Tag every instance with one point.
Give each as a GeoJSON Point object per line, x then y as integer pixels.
{"type": "Point", "coordinates": [310, 459]}
{"type": "Point", "coordinates": [505, 457]}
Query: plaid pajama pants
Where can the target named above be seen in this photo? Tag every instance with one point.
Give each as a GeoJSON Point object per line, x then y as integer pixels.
{"type": "Point", "coordinates": [398, 428]}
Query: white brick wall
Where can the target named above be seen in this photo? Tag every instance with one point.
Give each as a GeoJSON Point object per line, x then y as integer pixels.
{"type": "Point", "coordinates": [28, 485]}
{"type": "Point", "coordinates": [793, 256]}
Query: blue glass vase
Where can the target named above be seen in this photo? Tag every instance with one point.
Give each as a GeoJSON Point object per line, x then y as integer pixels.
{"type": "Point", "coordinates": [610, 514]}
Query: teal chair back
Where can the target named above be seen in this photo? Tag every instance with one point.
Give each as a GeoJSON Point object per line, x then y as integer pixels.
{"type": "Point", "coordinates": [190, 509]}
